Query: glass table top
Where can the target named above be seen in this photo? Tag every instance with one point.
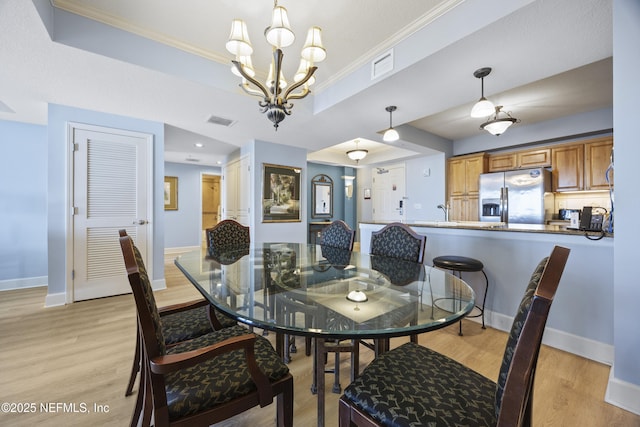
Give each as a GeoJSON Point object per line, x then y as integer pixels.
{"type": "Point", "coordinates": [327, 292]}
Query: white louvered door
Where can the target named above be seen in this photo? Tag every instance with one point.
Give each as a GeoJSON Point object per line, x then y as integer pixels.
{"type": "Point", "coordinates": [110, 192]}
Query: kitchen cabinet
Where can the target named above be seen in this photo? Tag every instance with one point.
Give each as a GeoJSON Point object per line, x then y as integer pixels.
{"type": "Point", "coordinates": [597, 158]}
{"type": "Point", "coordinates": [567, 172]}
{"type": "Point", "coordinates": [538, 158]}
{"type": "Point", "coordinates": [463, 177]}
{"type": "Point", "coordinates": [578, 167]}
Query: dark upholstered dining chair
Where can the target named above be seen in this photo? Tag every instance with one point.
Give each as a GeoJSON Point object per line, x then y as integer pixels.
{"type": "Point", "coordinates": [398, 240]}
{"type": "Point", "coordinates": [207, 379]}
{"type": "Point", "coordinates": [227, 235]}
{"type": "Point", "coordinates": [413, 385]}
{"type": "Point", "coordinates": [180, 322]}
{"type": "Point", "coordinates": [338, 235]}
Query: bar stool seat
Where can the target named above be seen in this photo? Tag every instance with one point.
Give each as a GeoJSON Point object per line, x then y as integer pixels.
{"type": "Point", "coordinates": [458, 264]}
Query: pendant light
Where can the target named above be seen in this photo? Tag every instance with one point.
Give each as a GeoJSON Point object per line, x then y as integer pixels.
{"type": "Point", "coordinates": [498, 125]}
{"type": "Point", "coordinates": [390, 135]}
{"type": "Point", "coordinates": [357, 154]}
{"type": "Point", "coordinates": [484, 107]}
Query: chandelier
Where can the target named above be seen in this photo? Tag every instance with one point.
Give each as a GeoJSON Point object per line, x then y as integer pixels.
{"type": "Point", "coordinates": [275, 93]}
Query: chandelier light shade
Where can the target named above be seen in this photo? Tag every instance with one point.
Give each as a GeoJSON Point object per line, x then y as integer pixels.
{"type": "Point", "coordinates": [276, 94]}
{"type": "Point", "coordinates": [484, 107]}
{"type": "Point", "coordinates": [357, 154]}
{"type": "Point", "coordinates": [498, 125]}
{"type": "Point", "coordinates": [390, 135]}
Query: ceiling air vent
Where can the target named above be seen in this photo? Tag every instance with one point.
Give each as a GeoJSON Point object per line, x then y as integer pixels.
{"type": "Point", "coordinates": [191, 159]}
{"type": "Point", "coordinates": [382, 64]}
{"type": "Point", "coordinates": [220, 121]}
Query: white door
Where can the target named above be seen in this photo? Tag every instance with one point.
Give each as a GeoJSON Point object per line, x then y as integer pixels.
{"type": "Point", "coordinates": [237, 191]}
{"type": "Point", "coordinates": [111, 191]}
{"type": "Point", "coordinates": [389, 193]}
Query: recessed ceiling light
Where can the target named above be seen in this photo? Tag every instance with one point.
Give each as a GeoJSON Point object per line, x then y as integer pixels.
{"type": "Point", "coordinates": [218, 162]}
{"type": "Point", "coordinates": [198, 145]}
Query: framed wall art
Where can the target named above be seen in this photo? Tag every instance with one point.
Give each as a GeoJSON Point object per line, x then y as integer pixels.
{"type": "Point", "coordinates": [170, 193]}
{"type": "Point", "coordinates": [280, 193]}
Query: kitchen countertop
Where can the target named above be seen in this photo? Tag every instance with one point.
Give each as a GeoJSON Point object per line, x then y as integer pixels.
{"type": "Point", "coordinates": [498, 226]}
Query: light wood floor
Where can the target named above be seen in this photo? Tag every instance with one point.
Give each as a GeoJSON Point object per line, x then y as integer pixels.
{"type": "Point", "coordinates": [81, 354]}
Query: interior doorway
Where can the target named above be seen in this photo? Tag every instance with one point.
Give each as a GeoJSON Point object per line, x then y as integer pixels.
{"type": "Point", "coordinates": [211, 209]}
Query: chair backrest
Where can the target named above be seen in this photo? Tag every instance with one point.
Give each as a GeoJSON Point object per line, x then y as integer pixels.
{"type": "Point", "coordinates": [338, 235]}
{"type": "Point", "coordinates": [148, 315]}
{"type": "Point", "coordinates": [397, 240]}
{"type": "Point", "coordinates": [515, 381]}
{"type": "Point", "coordinates": [227, 235]}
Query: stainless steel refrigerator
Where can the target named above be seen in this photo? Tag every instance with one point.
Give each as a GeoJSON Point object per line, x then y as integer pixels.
{"type": "Point", "coordinates": [520, 196]}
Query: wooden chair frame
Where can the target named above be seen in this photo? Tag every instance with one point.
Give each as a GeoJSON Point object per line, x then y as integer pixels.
{"type": "Point", "coordinates": [156, 365]}
{"type": "Point", "coordinates": [516, 406]}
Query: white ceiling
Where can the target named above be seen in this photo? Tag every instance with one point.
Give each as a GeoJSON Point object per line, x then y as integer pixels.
{"type": "Point", "coordinates": [549, 59]}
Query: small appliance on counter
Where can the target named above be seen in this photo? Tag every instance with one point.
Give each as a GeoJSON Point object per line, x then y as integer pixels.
{"type": "Point", "coordinates": [520, 196]}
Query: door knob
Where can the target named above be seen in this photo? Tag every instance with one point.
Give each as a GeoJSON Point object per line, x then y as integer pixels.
{"type": "Point", "coordinates": [140, 222]}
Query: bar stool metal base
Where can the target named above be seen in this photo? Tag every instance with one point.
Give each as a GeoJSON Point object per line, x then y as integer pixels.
{"type": "Point", "coordinates": [459, 264]}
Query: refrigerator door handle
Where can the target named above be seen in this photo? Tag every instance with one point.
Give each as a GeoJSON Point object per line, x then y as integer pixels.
{"type": "Point", "coordinates": [504, 200]}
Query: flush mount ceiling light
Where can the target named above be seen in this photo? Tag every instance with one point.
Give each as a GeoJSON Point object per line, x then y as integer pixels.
{"type": "Point", "coordinates": [357, 154]}
{"type": "Point", "coordinates": [497, 125]}
{"type": "Point", "coordinates": [275, 94]}
{"type": "Point", "coordinates": [484, 107]}
{"type": "Point", "coordinates": [390, 135]}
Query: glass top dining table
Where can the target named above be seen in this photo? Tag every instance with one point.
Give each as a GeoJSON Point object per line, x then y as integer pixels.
{"type": "Point", "coordinates": [325, 292]}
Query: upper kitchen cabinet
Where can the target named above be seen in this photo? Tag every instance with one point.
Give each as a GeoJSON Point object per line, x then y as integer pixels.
{"type": "Point", "coordinates": [538, 158]}
{"type": "Point", "coordinates": [567, 172]}
{"type": "Point", "coordinates": [578, 167]}
{"type": "Point", "coordinates": [597, 158]}
{"type": "Point", "coordinates": [463, 177]}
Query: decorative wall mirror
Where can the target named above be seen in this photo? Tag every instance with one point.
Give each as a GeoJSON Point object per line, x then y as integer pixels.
{"type": "Point", "coordinates": [322, 196]}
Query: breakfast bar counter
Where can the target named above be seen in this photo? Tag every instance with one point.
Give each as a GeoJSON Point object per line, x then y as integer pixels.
{"type": "Point", "coordinates": [583, 323]}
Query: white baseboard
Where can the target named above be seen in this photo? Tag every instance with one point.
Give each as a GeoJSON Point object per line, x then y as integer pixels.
{"type": "Point", "coordinates": [623, 394]}
{"type": "Point", "coordinates": [158, 285]}
{"type": "Point", "coordinates": [580, 346]}
{"type": "Point", "coordinates": [54, 300]}
{"type": "Point", "coordinates": [29, 282]}
{"type": "Point", "coordinates": [178, 251]}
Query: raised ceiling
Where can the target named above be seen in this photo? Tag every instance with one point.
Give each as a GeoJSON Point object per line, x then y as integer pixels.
{"type": "Point", "coordinates": [550, 59]}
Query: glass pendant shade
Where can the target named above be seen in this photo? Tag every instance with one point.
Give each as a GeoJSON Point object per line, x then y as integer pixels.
{"type": "Point", "coordinates": [247, 66]}
{"type": "Point", "coordinates": [390, 135]}
{"type": "Point", "coordinates": [357, 154]}
{"type": "Point", "coordinates": [357, 296]}
{"type": "Point", "coordinates": [303, 68]}
{"type": "Point", "coordinates": [279, 34]}
{"type": "Point", "coordinates": [497, 127]}
{"type": "Point", "coordinates": [483, 108]}
{"type": "Point", "coordinates": [238, 43]}
{"type": "Point", "coordinates": [313, 51]}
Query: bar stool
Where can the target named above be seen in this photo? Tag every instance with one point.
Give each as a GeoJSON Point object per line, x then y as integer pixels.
{"type": "Point", "coordinates": [458, 264]}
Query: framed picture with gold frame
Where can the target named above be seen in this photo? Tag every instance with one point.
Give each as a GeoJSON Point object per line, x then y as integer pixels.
{"type": "Point", "coordinates": [170, 193]}
{"type": "Point", "coordinates": [280, 193]}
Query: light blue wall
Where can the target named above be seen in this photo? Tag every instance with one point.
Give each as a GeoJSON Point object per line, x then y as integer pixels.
{"type": "Point", "coordinates": [182, 227]}
{"type": "Point", "coordinates": [343, 208]}
{"type": "Point", "coordinates": [425, 187]}
{"type": "Point", "coordinates": [626, 92]}
{"type": "Point", "coordinates": [23, 200]}
{"type": "Point", "coordinates": [58, 197]}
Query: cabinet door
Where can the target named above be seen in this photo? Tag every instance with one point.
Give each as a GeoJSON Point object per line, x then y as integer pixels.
{"type": "Point", "coordinates": [472, 211]}
{"type": "Point", "coordinates": [534, 158]}
{"type": "Point", "coordinates": [568, 167]}
{"type": "Point", "coordinates": [457, 208]}
{"type": "Point", "coordinates": [597, 161]}
{"type": "Point", "coordinates": [474, 167]}
{"type": "Point", "coordinates": [502, 162]}
{"type": "Point", "coordinates": [457, 177]}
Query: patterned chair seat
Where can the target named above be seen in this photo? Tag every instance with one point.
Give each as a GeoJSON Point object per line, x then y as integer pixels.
{"type": "Point", "coordinates": [428, 394]}
{"type": "Point", "coordinates": [190, 324]}
{"type": "Point", "coordinates": [228, 377]}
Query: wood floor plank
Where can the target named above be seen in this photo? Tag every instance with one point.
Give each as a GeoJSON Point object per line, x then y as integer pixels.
{"type": "Point", "coordinates": [82, 353]}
